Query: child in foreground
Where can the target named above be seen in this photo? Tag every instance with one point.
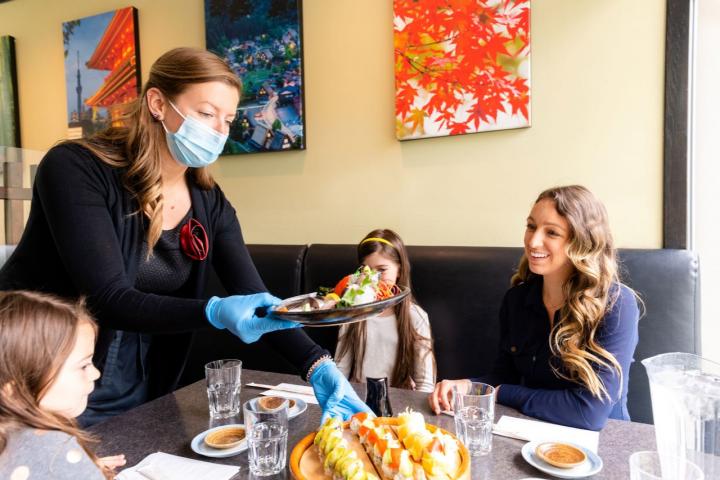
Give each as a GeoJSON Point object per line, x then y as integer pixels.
{"type": "Point", "coordinates": [46, 375]}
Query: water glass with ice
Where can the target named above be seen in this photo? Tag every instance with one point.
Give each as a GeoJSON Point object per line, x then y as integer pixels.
{"type": "Point", "coordinates": [223, 387]}
{"type": "Point", "coordinates": [656, 466]}
{"type": "Point", "coordinates": [474, 417]}
{"type": "Point", "coordinates": [266, 433]}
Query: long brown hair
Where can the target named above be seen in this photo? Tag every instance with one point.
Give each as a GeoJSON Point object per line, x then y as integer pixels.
{"type": "Point", "coordinates": [138, 145]}
{"type": "Point", "coordinates": [590, 291]}
{"type": "Point", "coordinates": [38, 334]}
{"type": "Point", "coordinates": [409, 339]}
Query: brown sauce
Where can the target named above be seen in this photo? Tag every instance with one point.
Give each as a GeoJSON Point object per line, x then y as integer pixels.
{"type": "Point", "coordinates": [564, 454]}
{"type": "Point", "coordinates": [226, 436]}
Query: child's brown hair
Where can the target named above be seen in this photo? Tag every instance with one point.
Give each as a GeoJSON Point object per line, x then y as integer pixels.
{"type": "Point", "coordinates": [37, 334]}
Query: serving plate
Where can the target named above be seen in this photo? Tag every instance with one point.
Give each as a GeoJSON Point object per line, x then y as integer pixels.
{"type": "Point", "coordinates": [305, 461]}
{"type": "Point", "coordinates": [334, 316]}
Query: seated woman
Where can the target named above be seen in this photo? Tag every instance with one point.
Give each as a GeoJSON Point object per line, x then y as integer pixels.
{"type": "Point", "coordinates": [568, 326]}
{"type": "Point", "coordinates": [46, 375]}
{"type": "Point", "coordinates": [396, 344]}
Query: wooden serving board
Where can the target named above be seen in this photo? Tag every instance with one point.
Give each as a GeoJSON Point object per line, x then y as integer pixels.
{"type": "Point", "coordinates": [305, 463]}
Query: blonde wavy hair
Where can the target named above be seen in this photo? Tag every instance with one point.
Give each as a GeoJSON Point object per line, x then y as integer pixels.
{"type": "Point", "coordinates": [590, 291]}
{"type": "Point", "coordinates": [38, 335]}
{"type": "Point", "coordinates": [138, 146]}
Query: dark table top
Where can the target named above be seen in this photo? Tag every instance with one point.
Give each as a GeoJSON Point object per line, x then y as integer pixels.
{"type": "Point", "coordinates": [168, 424]}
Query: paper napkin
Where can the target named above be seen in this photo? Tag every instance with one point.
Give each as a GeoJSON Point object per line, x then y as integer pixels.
{"type": "Point", "coordinates": [289, 390]}
{"type": "Point", "coordinates": [542, 431]}
{"type": "Point", "coordinates": [163, 466]}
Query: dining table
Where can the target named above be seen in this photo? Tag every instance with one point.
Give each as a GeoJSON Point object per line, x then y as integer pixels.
{"type": "Point", "coordinates": [169, 423]}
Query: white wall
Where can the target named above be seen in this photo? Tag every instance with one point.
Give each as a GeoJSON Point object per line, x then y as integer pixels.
{"type": "Point", "coordinates": [597, 110]}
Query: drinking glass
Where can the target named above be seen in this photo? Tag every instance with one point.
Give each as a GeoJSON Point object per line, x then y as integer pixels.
{"type": "Point", "coordinates": [647, 466]}
{"type": "Point", "coordinates": [266, 433]}
{"type": "Point", "coordinates": [223, 387]}
{"type": "Point", "coordinates": [474, 417]}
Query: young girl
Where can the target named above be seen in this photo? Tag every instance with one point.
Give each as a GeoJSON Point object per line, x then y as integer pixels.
{"type": "Point", "coordinates": [568, 326]}
{"type": "Point", "coordinates": [396, 344]}
{"type": "Point", "coordinates": [46, 375]}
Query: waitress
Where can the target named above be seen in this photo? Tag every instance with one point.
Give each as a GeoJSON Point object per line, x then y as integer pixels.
{"type": "Point", "coordinates": [132, 219]}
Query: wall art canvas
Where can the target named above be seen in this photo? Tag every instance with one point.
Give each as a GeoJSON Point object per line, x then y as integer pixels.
{"type": "Point", "coordinates": [102, 70]}
{"type": "Point", "coordinates": [9, 109]}
{"type": "Point", "coordinates": [262, 41]}
{"type": "Point", "coordinates": [461, 66]}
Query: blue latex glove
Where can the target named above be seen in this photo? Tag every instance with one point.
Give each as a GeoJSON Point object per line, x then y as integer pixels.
{"type": "Point", "coordinates": [237, 314]}
{"type": "Point", "coordinates": [334, 393]}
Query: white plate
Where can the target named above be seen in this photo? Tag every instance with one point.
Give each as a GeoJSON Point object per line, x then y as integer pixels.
{"type": "Point", "coordinates": [198, 444]}
{"type": "Point", "coordinates": [300, 407]}
{"type": "Point", "coordinates": [591, 466]}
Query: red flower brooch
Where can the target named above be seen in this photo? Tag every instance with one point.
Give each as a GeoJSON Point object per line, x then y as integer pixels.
{"type": "Point", "coordinates": [194, 240]}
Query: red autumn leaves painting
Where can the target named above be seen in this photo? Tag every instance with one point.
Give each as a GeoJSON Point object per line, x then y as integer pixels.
{"type": "Point", "coordinates": [461, 66]}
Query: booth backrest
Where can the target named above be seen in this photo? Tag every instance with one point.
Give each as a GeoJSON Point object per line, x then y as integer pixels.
{"type": "Point", "coordinates": [461, 288]}
{"type": "Point", "coordinates": [280, 267]}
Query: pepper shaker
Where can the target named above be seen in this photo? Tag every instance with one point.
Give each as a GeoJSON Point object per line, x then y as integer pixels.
{"type": "Point", "coordinates": [378, 396]}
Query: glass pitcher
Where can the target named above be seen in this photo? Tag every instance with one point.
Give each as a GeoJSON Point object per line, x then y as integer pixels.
{"type": "Point", "coordinates": [685, 393]}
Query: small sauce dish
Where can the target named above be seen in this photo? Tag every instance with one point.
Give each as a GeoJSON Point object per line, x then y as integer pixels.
{"type": "Point", "coordinates": [560, 455]}
{"type": "Point", "coordinates": [223, 438]}
{"type": "Point", "coordinates": [272, 404]}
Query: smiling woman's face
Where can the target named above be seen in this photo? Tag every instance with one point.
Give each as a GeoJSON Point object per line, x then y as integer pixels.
{"type": "Point", "coordinates": [546, 239]}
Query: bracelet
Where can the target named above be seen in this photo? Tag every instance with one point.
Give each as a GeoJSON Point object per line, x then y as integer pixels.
{"type": "Point", "coordinates": [316, 364]}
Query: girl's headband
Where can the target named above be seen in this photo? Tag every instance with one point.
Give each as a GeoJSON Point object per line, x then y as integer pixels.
{"type": "Point", "coordinates": [377, 239]}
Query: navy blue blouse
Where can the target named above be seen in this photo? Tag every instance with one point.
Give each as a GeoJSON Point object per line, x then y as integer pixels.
{"type": "Point", "coordinates": [523, 367]}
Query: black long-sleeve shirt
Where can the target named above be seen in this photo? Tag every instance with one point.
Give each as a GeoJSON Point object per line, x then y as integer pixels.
{"type": "Point", "coordinates": [524, 371]}
{"type": "Point", "coordinates": [84, 237]}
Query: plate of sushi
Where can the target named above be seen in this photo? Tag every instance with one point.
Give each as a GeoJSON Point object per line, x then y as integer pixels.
{"type": "Point", "coordinates": [354, 298]}
{"type": "Point", "coordinates": [380, 448]}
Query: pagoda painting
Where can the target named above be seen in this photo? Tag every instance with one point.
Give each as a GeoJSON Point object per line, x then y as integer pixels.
{"type": "Point", "coordinates": [261, 40]}
{"type": "Point", "coordinates": [102, 70]}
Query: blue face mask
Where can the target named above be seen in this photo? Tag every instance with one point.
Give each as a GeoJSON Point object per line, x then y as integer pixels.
{"type": "Point", "coordinates": [194, 144]}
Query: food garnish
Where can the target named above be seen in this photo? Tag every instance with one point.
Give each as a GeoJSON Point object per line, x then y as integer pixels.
{"type": "Point", "coordinates": [363, 286]}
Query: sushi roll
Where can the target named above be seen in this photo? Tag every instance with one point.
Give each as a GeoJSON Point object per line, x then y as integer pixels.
{"type": "Point", "coordinates": [334, 456]}
{"type": "Point", "coordinates": [416, 443]}
{"type": "Point", "coordinates": [348, 466]}
{"type": "Point", "coordinates": [396, 464]}
{"type": "Point", "coordinates": [364, 429]}
{"type": "Point", "coordinates": [358, 419]}
{"type": "Point", "coordinates": [434, 461]}
{"type": "Point", "coordinates": [331, 440]}
{"type": "Point", "coordinates": [330, 424]}
{"type": "Point", "coordinates": [386, 441]}
{"type": "Point", "coordinates": [410, 422]}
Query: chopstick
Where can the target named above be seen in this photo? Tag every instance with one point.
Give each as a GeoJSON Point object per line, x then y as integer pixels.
{"type": "Point", "coordinates": [261, 385]}
{"type": "Point", "coordinates": [275, 387]}
{"type": "Point", "coordinates": [515, 435]}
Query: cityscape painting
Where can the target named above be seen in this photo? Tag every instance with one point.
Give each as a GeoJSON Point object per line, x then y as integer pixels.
{"type": "Point", "coordinates": [9, 113]}
{"type": "Point", "coordinates": [262, 41]}
{"type": "Point", "coordinates": [461, 66]}
{"type": "Point", "coordinates": [102, 70]}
